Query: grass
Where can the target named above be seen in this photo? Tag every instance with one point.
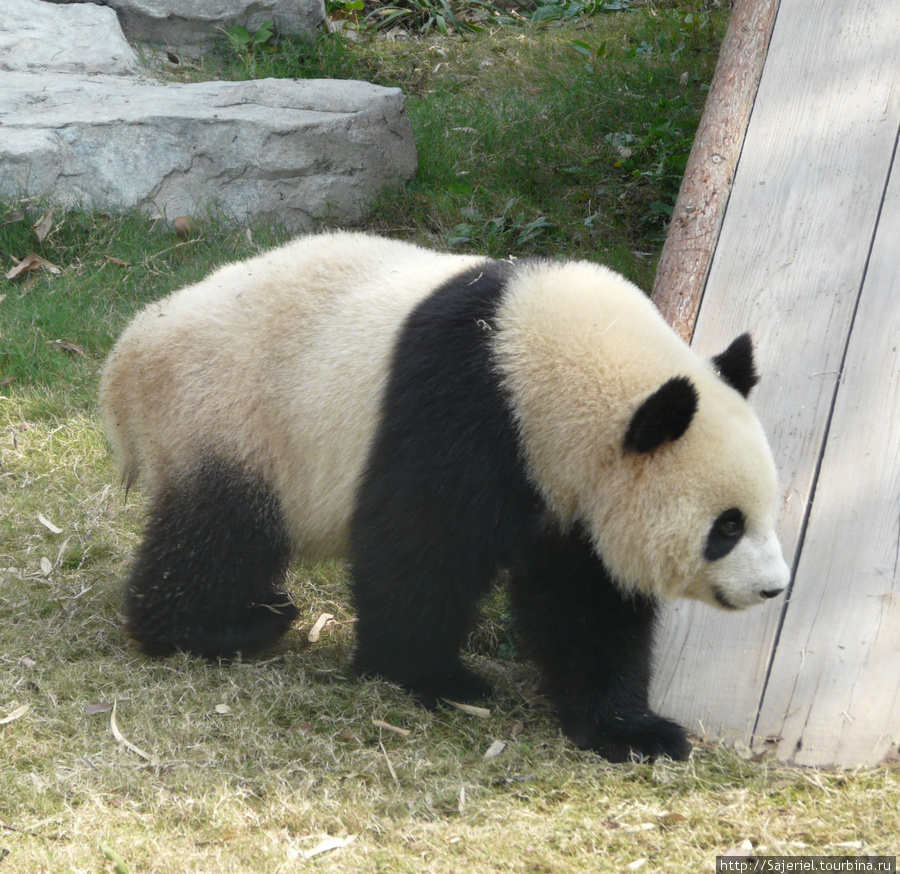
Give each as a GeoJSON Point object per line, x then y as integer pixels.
{"type": "Point", "coordinates": [533, 140]}
{"type": "Point", "coordinates": [577, 134]}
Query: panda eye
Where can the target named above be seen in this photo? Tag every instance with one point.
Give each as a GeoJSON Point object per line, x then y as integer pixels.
{"type": "Point", "coordinates": [725, 534]}
{"type": "Point", "coordinates": [729, 528]}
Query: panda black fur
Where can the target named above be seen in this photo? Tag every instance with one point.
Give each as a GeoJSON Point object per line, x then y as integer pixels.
{"type": "Point", "coordinates": [439, 419]}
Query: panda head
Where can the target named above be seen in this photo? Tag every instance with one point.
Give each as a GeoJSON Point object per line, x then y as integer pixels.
{"type": "Point", "coordinates": [704, 484]}
{"type": "Point", "coordinates": [650, 448]}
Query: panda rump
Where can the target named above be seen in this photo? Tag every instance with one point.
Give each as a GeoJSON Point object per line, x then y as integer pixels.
{"type": "Point", "coordinates": [438, 419]}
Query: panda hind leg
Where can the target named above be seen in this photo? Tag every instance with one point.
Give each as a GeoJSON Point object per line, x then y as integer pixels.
{"type": "Point", "coordinates": [208, 576]}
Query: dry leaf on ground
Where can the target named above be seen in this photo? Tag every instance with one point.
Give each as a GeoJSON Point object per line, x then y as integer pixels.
{"type": "Point", "coordinates": [123, 740]}
{"type": "Point", "coordinates": [43, 225]}
{"type": "Point", "coordinates": [48, 524]}
{"type": "Point", "coordinates": [29, 263]}
{"type": "Point", "coordinates": [320, 623]}
{"type": "Point", "coordinates": [18, 713]}
{"type": "Point", "coordinates": [494, 750]}
{"type": "Point", "coordinates": [380, 723]}
{"type": "Point", "coordinates": [328, 845]}
{"type": "Point", "coordinates": [471, 709]}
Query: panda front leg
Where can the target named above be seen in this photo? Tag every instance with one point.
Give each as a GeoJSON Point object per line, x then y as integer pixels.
{"type": "Point", "coordinates": [594, 647]}
{"type": "Point", "coordinates": [415, 601]}
{"type": "Point", "coordinates": [208, 576]}
{"type": "Point", "coordinates": [410, 630]}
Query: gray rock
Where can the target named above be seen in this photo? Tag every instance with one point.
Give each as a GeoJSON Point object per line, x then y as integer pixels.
{"type": "Point", "coordinates": [287, 150]}
{"type": "Point", "coordinates": [196, 23]}
{"type": "Point", "coordinates": [81, 38]}
{"type": "Point", "coordinates": [290, 150]}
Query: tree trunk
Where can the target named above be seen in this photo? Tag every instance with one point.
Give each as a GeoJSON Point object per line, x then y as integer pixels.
{"type": "Point", "coordinates": [700, 208]}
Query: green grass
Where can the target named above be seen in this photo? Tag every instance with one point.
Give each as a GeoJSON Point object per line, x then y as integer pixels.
{"type": "Point", "coordinates": [526, 147]}
{"type": "Point", "coordinates": [578, 134]}
{"type": "Point", "coordinates": [532, 140]}
{"type": "Point", "coordinates": [57, 328]}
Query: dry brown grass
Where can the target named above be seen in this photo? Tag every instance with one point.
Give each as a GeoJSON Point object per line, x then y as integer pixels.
{"type": "Point", "coordinates": [252, 765]}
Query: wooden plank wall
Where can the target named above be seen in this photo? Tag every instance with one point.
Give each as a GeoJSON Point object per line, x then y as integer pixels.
{"type": "Point", "coordinates": [799, 263]}
{"type": "Point", "coordinates": [834, 690]}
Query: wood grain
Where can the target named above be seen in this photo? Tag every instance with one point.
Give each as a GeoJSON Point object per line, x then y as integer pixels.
{"type": "Point", "coordinates": [789, 266]}
{"type": "Point", "coordinates": [834, 692]}
{"type": "Point", "coordinates": [702, 198]}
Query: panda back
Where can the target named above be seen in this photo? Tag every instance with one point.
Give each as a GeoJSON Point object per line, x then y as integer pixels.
{"type": "Point", "coordinates": [276, 364]}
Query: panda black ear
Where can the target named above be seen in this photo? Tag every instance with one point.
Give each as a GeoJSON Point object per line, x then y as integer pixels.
{"type": "Point", "coordinates": [663, 417]}
{"type": "Point", "coordinates": [736, 366]}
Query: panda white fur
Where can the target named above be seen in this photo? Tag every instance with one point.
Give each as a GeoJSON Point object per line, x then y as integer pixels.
{"type": "Point", "coordinates": [439, 419]}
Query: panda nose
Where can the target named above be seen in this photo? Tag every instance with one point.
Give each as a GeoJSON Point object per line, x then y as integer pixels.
{"type": "Point", "coordinates": [771, 593]}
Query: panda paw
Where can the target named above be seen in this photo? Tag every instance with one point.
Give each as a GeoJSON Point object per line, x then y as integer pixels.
{"type": "Point", "coordinates": [640, 738]}
{"type": "Point", "coordinates": [432, 686]}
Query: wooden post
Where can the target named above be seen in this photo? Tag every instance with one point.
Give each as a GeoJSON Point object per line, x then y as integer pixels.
{"type": "Point", "coordinates": [700, 208]}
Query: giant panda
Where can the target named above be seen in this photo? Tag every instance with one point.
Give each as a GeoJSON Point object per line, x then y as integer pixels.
{"type": "Point", "coordinates": [441, 420]}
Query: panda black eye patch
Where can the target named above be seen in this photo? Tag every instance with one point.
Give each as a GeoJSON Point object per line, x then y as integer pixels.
{"type": "Point", "coordinates": [725, 533]}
